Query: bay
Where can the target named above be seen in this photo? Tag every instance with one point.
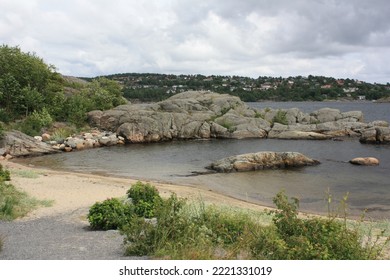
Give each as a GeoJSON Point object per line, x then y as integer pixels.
{"type": "Point", "coordinates": [367, 187]}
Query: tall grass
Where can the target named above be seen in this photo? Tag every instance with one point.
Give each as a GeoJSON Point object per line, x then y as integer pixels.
{"type": "Point", "coordinates": [15, 203]}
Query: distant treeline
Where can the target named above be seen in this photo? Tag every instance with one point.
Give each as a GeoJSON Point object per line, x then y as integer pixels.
{"type": "Point", "coordinates": [155, 87]}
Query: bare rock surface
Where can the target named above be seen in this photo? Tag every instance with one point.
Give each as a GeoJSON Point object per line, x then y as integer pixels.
{"type": "Point", "coordinates": [262, 160]}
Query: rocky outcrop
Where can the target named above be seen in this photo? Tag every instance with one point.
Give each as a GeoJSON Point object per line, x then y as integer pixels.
{"type": "Point", "coordinates": [365, 161]}
{"type": "Point", "coordinates": [379, 133]}
{"type": "Point", "coordinates": [188, 115]}
{"type": "Point", "coordinates": [260, 161]}
{"type": "Point", "coordinates": [322, 124]}
{"type": "Point", "coordinates": [17, 144]}
{"type": "Point", "coordinates": [194, 114]}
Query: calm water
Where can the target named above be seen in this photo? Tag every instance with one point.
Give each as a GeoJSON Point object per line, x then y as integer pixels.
{"type": "Point", "coordinates": [368, 187]}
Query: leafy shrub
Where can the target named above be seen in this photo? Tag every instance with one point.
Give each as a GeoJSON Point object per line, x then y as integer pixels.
{"type": "Point", "coordinates": [184, 231]}
{"type": "Point", "coordinates": [109, 214]}
{"type": "Point", "coordinates": [4, 174]}
{"type": "Point", "coordinates": [311, 238]}
{"type": "Point", "coordinates": [34, 123]}
{"type": "Point", "coordinates": [142, 237]}
{"type": "Point", "coordinates": [145, 199]}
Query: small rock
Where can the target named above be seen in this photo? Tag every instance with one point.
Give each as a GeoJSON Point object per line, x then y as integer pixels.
{"type": "Point", "coordinates": [80, 146]}
{"type": "Point", "coordinates": [38, 138]}
{"type": "Point", "coordinates": [46, 137]}
{"type": "Point", "coordinates": [68, 149]}
{"type": "Point", "coordinates": [8, 156]}
{"type": "Point", "coordinates": [365, 161]}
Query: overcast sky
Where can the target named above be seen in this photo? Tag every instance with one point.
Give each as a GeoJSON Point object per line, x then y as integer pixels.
{"type": "Point", "coordinates": [343, 39]}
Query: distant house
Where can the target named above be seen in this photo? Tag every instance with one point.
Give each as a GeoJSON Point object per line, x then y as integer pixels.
{"type": "Point", "coordinates": [351, 89]}
{"type": "Point", "coordinates": [362, 97]}
{"type": "Point", "coordinates": [326, 86]}
{"type": "Point", "coordinates": [266, 86]}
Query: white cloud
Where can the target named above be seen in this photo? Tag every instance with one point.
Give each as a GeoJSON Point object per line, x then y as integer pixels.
{"type": "Point", "coordinates": [280, 38]}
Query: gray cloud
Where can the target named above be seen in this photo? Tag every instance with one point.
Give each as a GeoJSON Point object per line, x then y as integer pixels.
{"type": "Point", "coordinates": [282, 38]}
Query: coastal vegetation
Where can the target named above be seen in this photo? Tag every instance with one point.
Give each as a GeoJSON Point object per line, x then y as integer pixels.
{"type": "Point", "coordinates": [13, 202]}
{"type": "Point", "coordinates": [182, 230]}
{"type": "Point", "coordinates": [33, 95]}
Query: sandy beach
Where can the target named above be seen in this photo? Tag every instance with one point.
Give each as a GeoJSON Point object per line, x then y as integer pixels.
{"type": "Point", "coordinates": [73, 191]}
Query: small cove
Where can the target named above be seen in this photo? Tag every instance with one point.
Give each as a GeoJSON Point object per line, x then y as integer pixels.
{"type": "Point", "coordinates": [368, 187]}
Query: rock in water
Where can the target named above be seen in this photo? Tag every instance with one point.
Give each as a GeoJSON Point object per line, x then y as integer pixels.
{"type": "Point", "coordinates": [262, 160]}
{"type": "Point", "coordinates": [365, 161]}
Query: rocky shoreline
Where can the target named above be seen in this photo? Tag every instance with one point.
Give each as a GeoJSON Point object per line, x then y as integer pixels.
{"type": "Point", "coordinates": [200, 115]}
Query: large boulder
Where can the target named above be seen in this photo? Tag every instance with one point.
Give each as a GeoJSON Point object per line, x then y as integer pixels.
{"type": "Point", "coordinates": [376, 135]}
{"type": "Point", "coordinates": [261, 160]}
{"type": "Point", "coordinates": [18, 144]}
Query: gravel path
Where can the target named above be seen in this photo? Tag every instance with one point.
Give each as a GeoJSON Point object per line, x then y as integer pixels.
{"type": "Point", "coordinates": [61, 237]}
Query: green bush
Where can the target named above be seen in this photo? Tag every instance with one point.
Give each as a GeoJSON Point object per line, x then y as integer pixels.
{"type": "Point", "coordinates": [182, 231]}
{"type": "Point", "coordinates": [34, 123]}
{"type": "Point", "coordinates": [4, 174]}
{"type": "Point", "coordinates": [145, 199]}
{"type": "Point", "coordinates": [311, 238]}
{"type": "Point", "coordinates": [109, 214]}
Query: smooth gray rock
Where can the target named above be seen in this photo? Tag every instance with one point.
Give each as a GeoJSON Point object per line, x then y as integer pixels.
{"type": "Point", "coordinates": [18, 144]}
{"type": "Point", "coordinates": [261, 160]}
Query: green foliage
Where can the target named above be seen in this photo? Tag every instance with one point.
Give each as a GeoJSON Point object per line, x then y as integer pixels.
{"type": "Point", "coordinates": [28, 85]}
{"type": "Point", "coordinates": [182, 231]}
{"type": "Point", "coordinates": [4, 174]}
{"type": "Point", "coordinates": [109, 214]}
{"type": "Point", "coordinates": [280, 117]}
{"type": "Point", "coordinates": [34, 123]}
{"type": "Point", "coordinates": [229, 126]}
{"type": "Point", "coordinates": [311, 238]}
{"type": "Point", "coordinates": [15, 203]}
{"type": "Point", "coordinates": [1, 243]}
{"type": "Point", "coordinates": [145, 199]}
{"type": "Point", "coordinates": [62, 133]}
{"type": "Point", "coordinates": [155, 87]}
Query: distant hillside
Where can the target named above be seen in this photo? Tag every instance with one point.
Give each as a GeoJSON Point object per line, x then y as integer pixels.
{"type": "Point", "coordinates": [155, 87]}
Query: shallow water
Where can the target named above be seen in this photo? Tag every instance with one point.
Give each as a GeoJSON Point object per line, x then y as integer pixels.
{"type": "Point", "coordinates": [368, 186]}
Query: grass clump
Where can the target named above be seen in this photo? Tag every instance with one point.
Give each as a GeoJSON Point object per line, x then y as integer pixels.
{"type": "Point", "coordinates": [13, 202]}
{"type": "Point", "coordinates": [280, 117]}
{"type": "Point", "coordinates": [311, 238]}
{"type": "Point", "coordinates": [31, 174]}
{"type": "Point", "coordinates": [5, 175]}
{"type": "Point", "coordinates": [1, 243]}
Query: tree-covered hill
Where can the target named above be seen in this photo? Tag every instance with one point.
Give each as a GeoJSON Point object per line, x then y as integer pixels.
{"type": "Point", "coordinates": [33, 95]}
{"type": "Point", "coordinates": [154, 87]}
